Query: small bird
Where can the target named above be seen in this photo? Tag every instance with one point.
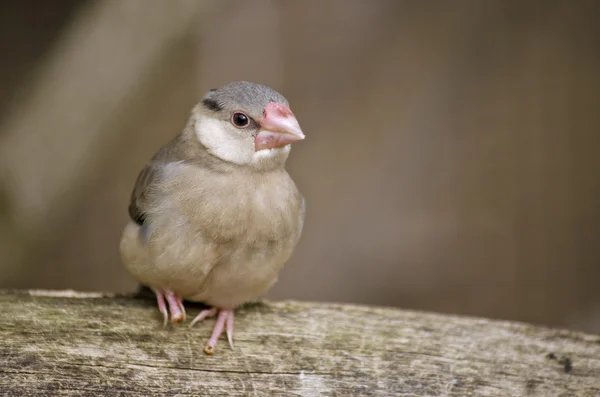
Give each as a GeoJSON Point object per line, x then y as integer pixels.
{"type": "Point", "coordinates": [214, 214]}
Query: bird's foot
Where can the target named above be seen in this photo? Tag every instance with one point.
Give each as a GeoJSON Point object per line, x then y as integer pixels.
{"type": "Point", "coordinates": [224, 323]}
{"type": "Point", "coordinates": [175, 305]}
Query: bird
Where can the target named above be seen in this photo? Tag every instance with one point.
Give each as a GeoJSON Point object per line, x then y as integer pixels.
{"type": "Point", "coordinates": [214, 215]}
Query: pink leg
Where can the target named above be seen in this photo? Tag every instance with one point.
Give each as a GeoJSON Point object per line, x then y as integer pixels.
{"type": "Point", "coordinates": [229, 329]}
{"type": "Point", "coordinates": [175, 305]}
{"type": "Point", "coordinates": [204, 314]}
{"type": "Point", "coordinates": [224, 321]}
{"type": "Point", "coordinates": [180, 302]}
{"type": "Point", "coordinates": [160, 299]}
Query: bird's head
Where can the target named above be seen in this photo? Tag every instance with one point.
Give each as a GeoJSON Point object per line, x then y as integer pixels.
{"type": "Point", "coordinates": [247, 124]}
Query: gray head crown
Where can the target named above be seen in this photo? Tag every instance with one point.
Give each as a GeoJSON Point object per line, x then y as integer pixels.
{"type": "Point", "coordinates": [242, 95]}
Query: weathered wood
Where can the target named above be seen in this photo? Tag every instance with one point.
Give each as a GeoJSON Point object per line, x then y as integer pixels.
{"type": "Point", "coordinates": [64, 343]}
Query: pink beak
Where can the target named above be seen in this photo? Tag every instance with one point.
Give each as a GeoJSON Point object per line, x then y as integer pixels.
{"type": "Point", "coordinates": [279, 128]}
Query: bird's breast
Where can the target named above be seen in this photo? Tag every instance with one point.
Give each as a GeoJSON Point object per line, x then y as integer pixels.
{"type": "Point", "coordinates": [215, 237]}
{"type": "Point", "coordinates": [236, 210]}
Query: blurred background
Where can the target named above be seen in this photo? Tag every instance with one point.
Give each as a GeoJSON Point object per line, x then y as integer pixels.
{"type": "Point", "coordinates": [451, 161]}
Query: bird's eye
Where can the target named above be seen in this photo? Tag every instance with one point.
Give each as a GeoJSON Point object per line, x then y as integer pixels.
{"type": "Point", "coordinates": [240, 120]}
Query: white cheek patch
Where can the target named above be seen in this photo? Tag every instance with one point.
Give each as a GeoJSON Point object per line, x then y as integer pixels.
{"type": "Point", "coordinates": [216, 136]}
{"type": "Point", "coordinates": [266, 154]}
{"type": "Point", "coordinates": [213, 135]}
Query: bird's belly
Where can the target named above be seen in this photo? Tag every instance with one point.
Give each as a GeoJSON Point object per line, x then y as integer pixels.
{"type": "Point", "coordinates": [178, 259]}
{"type": "Point", "coordinates": [246, 274]}
{"type": "Point", "coordinates": [198, 269]}
{"type": "Point", "coordinates": [222, 248]}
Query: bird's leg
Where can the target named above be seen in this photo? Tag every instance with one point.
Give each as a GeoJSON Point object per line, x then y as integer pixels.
{"type": "Point", "coordinates": [160, 299]}
{"type": "Point", "coordinates": [224, 323]}
{"type": "Point", "coordinates": [204, 314]}
{"type": "Point", "coordinates": [229, 329]}
{"type": "Point", "coordinates": [175, 305]}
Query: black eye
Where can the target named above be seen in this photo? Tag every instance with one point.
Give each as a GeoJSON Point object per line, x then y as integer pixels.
{"type": "Point", "coordinates": [240, 120]}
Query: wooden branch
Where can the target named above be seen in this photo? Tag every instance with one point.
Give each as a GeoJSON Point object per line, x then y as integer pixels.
{"type": "Point", "coordinates": [66, 343]}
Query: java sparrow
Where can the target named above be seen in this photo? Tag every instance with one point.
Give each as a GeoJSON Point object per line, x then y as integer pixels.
{"type": "Point", "coordinates": [214, 214]}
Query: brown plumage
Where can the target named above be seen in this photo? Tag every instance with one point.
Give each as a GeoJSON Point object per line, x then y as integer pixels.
{"type": "Point", "coordinates": [214, 214]}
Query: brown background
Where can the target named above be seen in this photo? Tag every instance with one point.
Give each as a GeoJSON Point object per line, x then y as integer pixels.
{"type": "Point", "coordinates": [451, 154]}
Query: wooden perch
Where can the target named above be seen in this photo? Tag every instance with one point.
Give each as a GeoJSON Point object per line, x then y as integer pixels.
{"type": "Point", "coordinates": [67, 343]}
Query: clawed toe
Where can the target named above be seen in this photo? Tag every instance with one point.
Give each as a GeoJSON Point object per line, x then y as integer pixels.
{"type": "Point", "coordinates": [224, 323]}
{"type": "Point", "coordinates": [175, 306]}
{"type": "Point", "coordinates": [203, 315]}
{"type": "Point", "coordinates": [224, 317]}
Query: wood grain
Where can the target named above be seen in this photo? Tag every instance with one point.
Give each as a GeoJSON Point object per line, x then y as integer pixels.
{"type": "Point", "coordinates": [71, 344]}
